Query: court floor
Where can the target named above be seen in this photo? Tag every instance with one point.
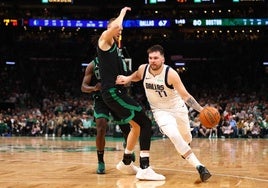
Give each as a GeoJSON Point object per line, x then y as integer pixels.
{"type": "Point", "coordinates": [37, 162]}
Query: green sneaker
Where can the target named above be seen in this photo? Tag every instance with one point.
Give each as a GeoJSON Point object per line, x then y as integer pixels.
{"type": "Point", "coordinates": [101, 168]}
{"type": "Point", "coordinates": [133, 157]}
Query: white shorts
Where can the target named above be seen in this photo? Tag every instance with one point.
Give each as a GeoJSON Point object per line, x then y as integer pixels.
{"type": "Point", "coordinates": [176, 120]}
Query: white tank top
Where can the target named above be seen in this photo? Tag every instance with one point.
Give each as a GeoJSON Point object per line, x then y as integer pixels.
{"type": "Point", "coordinates": [159, 94]}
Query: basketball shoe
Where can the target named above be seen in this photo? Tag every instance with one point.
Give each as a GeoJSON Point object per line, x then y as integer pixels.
{"type": "Point", "coordinates": [203, 172]}
{"type": "Point", "coordinates": [149, 174]}
{"type": "Point", "coordinates": [101, 168]}
{"type": "Point", "coordinates": [127, 169]}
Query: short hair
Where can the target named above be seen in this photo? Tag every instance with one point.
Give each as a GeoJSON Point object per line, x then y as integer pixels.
{"type": "Point", "coordinates": [156, 48]}
{"type": "Point", "coordinates": [110, 21]}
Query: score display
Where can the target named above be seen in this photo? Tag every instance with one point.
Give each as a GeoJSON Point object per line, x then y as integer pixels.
{"type": "Point", "coordinates": [96, 23]}
{"type": "Point", "coordinates": [231, 22]}
{"type": "Point", "coordinates": [13, 22]}
{"type": "Point", "coordinates": [148, 23]}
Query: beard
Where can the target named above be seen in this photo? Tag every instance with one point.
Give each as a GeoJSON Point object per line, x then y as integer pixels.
{"type": "Point", "coordinates": [156, 67]}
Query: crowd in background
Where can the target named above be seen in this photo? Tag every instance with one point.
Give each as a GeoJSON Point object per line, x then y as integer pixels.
{"type": "Point", "coordinates": [40, 95]}
{"type": "Point", "coordinates": [243, 115]}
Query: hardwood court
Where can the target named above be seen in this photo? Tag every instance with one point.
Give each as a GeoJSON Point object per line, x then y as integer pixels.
{"type": "Point", "coordinates": [38, 162]}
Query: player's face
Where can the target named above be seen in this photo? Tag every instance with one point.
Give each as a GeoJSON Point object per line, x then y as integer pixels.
{"type": "Point", "coordinates": [118, 34]}
{"type": "Point", "coordinates": [156, 60]}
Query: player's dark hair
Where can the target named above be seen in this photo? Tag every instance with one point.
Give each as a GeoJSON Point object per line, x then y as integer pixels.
{"type": "Point", "coordinates": [156, 48]}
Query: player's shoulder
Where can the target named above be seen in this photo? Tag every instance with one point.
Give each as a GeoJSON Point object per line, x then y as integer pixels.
{"type": "Point", "coordinates": [142, 67]}
{"type": "Point", "coordinates": [170, 69]}
{"type": "Point", "coordinates": [90, 65]}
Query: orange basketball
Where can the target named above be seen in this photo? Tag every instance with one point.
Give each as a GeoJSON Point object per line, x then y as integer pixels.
{"type": "Point", "coordinates": [209, 117]}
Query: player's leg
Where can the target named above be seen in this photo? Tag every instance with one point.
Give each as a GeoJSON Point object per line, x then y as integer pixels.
{"type": "Point", "coordinates": [125, 128]}
{"type": "Point", "coordinates": [168, 126]}
{"type": "Point", "coordinates": [142, 131]}
{"type": "Point", "coordinates": [183, 125]}
{"type": "Point", "coordinates": [101, 126]}
{"type": "Point", "coordinates": [101, 115]}
{"type": "Point", "coordinates": [145, 172]}
{"type": "Point", "coordinates": [130, 111]}
{"type": "Point", "coordinates": [126, 166]}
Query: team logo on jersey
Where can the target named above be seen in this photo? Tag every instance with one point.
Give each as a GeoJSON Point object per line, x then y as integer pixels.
{"type": "Point", "coordinates": [97, 72]}
{"type": "Point", "coordinates": [154, 86]}
{"type": "Point", "coordinates": [160, 89]}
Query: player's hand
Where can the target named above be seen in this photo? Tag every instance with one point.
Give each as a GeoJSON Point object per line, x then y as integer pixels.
{"type": "Point", "coordinates": [124, 10]}
{"type": "Point", "coordinates": [98, 86]}
{"type": "Point", "coordinates": [121, 80]}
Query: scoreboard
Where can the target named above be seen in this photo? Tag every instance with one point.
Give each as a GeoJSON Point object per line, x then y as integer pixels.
{"type": "Point", "coordinates": [139, 23]}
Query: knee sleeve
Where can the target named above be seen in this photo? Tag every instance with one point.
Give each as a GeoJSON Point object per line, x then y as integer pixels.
{"type": "Point", "coordinates": [175, 137]}
{"type": "Point", "coordinates": [145, 129]}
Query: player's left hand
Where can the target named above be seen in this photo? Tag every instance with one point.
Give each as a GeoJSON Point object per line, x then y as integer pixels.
{"type": "Point", "coordinates": [120, 80]}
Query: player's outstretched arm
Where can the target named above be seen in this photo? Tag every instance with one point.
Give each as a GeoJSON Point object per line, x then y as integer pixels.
{"type": "Point", "coordinates": [134, 77]}
{"type": "Point", "coordinates": [113, 28]}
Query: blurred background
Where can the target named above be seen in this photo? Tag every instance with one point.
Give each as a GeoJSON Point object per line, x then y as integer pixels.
{"type": "Point", "coordinates": [219, 47]}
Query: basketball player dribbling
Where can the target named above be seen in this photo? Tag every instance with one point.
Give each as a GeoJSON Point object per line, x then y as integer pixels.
{"type": "Point", "coordinates": [167, 96]}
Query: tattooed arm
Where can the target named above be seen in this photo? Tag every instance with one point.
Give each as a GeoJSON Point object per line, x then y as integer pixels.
{"type": "Point", "coordinates": [174, 79]}
{"type": "Point", "coordinates": [191, 102]}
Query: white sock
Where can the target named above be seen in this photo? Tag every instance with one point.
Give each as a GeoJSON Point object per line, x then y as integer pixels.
{"type": "Point", "coordinates": [192, 159]}
{"type": "Point", "coordinates": [144, 154]}
{"type": "Point", "coordinates": [128, 151]}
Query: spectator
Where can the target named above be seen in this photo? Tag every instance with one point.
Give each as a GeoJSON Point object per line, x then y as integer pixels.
{"type": "Point", "coordinates": [195, 125]}
{"type": "Point", "coordinates": [67, 127]}
{"type": "Point", "coordinates": [232, 123]}
{"type": "Point", "coordinates": [255, 130]}
{"type": "Point", "coordinates": [88, 125]}
{"type": "Point", "coordinates": [227, 130]}
{"type": "Point", "coordinates": [203, 131]}
{"type": "Point", "coordinates": [51, 125]}
{"type": "Point", "coordinates": [264, 127]}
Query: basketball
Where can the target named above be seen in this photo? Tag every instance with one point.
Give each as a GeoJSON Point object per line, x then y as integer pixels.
{"type": "Point", "coordinates": [209, 117]}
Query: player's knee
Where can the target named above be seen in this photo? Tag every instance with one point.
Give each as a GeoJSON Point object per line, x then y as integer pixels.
{"type": "Point", "coordinates": [101, 124]}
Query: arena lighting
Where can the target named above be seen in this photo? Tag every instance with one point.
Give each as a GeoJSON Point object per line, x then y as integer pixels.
{"type": "Point", "coordinates": [10, 62]}
{"type": "Point", "coordinates": [84, 64]}
{"type": "Point", "coordinates": [204, 1]}
{"type": "Point", "coordinates": [56, 1]}
{"type": "Point", "coordinates": [179, 64]}
{"type": "Point", "coordinates": [153, 1]}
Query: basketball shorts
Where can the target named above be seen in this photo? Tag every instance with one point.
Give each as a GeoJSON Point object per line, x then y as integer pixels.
{"type": "Point", "coordinates": [122, 106]}
{"type": "Point", "coordinates": [100, 108]}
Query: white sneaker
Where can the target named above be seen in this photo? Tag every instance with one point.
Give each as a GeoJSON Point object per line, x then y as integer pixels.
{"type": "Point", "coordinates": [149, 174]}
{"type": "Point", "coordinates": [127, 169]}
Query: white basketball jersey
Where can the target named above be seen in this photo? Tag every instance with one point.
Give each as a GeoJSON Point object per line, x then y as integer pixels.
{"type": "Point", "coordinates": [159, 94]}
